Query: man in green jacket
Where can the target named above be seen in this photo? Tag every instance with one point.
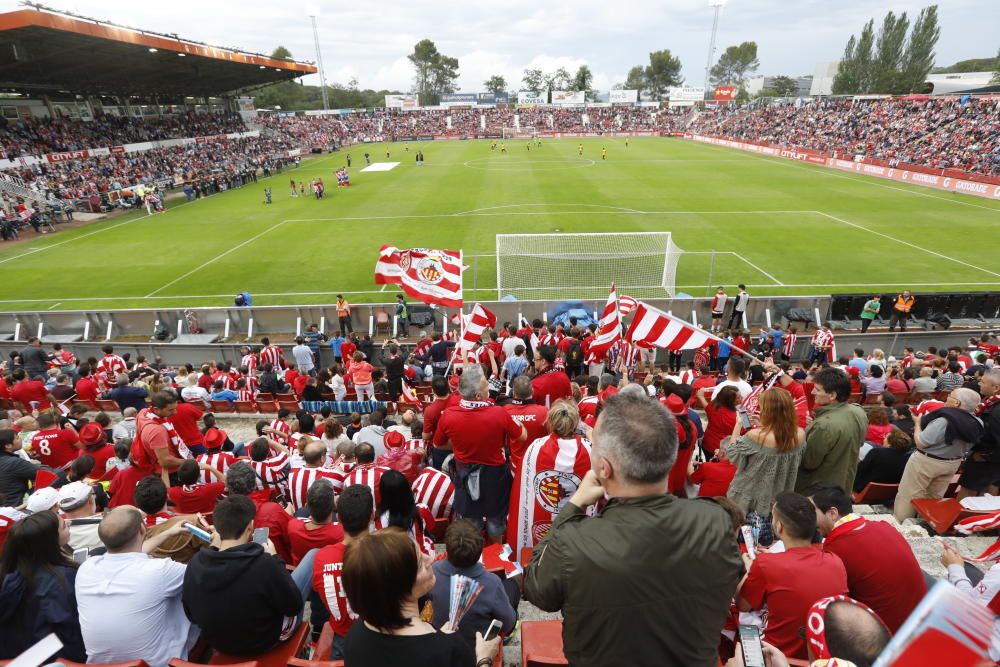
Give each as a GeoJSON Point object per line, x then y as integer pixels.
{"type": "Point", "coordinates": [648, 581]}
{"type": "Point", "coordinates": [870, 310]}
{"type": "Point", "coordinates": [835, 435]}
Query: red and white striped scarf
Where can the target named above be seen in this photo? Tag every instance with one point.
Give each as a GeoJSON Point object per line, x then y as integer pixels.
{"type": "Point", "coordinates": [175, 439]}
{"type": "Point", "coordinates": [987, 404]}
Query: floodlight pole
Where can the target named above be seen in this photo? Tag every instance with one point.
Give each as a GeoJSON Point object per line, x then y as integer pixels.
{"type": "Point", "coordinates": [319, 61]}
{"type": "Point", "coordinates": [717, 4]}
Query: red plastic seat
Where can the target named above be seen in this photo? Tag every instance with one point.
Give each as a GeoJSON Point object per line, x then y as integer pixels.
{"type": "Point", "coordinates": [292, 405]}
{"type": "Point", "coordinates": [221, 406]}
{"type": "Point", "coordinates": [299, 662]}
{"type": "Point", "coordinates": [942, 514]}
{"type": "Point", "coordinates": [264, 396]}
{"type": "Point", "coordinates": [324, 645]}
{"type": "Point", "coordinates": [44, 478]}
{"type": "Point", "coordinates": [126, 663]}
{"type": "Point", "coordinates": [104, 405]}
{"type": "Point", "coordinates": [286, 397]}
{"type": "Point", "coordinates": [855, 398]}
{"type": "Point", "coordinates": [177, 662]}
{"type": "Point", "coordinates": [875, 493]}
{"type": "Point", "coordinates": [542, 644]}
{"type": "Point", "coordinates": [245, 407]}
{"type": "Point", "coordinates": [276, 657]}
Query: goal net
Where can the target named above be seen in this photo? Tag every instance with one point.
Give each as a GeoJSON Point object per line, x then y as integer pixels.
{"type": "Point", "coordinates": [511, 132]}
{"type": "Point", "coordinates": [583, 266]}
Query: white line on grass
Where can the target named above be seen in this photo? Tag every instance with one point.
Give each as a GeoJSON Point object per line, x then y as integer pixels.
{"type": "Point", "coordinates": [530, 213]}
{"type": "Point", "coordinates": [867, 180]}
{"type": "Point", "coordinates": [759, 269]}
{"type": "Point", "coordinates": [54, 305]}
{"type": "Point", "coordinates": [216, 258]}
{"type": "Point", "coordinates": [494, 208]}
{"type": "Point", "coordinates": [907, 243]}
{"type": "Point", "coordinates": [83, 236]}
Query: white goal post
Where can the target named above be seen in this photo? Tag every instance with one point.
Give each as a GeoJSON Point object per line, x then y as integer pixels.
{"type": "Point", "coordinates": [583, 266]}
{"type": "Point", "coordinates": [511, 132]}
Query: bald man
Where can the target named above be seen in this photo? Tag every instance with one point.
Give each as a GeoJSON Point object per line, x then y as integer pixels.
{"type": "Point", "coordinates": [127, 583]}
{"type": "Point", "coordinates": [943, 439]}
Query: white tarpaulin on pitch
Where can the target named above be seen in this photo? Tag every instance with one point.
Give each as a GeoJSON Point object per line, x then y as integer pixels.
{"type": "Point", "coordinates": [381, 166]}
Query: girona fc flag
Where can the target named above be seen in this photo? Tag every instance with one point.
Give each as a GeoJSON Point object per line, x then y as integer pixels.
{"type": "Point", "coordinates": [550, 473]}
{"type": "Point", "coordinates": [431, 276]}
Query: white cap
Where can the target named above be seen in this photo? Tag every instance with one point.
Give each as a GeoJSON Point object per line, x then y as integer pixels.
{"type": "Point", "coordinates": [42, 499]}
{"type": "Point", "coordinates": [74, 495]}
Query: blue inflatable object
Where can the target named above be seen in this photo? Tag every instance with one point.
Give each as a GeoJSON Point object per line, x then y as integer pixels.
{"type": "Point", "coordinates": [562, 313]}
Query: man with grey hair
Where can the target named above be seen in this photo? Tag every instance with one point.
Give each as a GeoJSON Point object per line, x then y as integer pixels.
{"type": "Point", "coordinates": [982, 468]}
{"type": "Point", "coordinates": [477, 432]}
{"type": "Point", "coordinates": [127, 395]}
{"type": "Point", "coordinates": [125, 429]}
{"type": "Point", "coordinates": [650, 578]}
{"type": "Point", "coordinates": [943, 438]}
{"type": "Point", "coordinates": [126, 583]}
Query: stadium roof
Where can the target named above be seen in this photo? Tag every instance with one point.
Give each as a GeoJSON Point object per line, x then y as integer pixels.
{"type": "Point", "coordinates": [41, 50]}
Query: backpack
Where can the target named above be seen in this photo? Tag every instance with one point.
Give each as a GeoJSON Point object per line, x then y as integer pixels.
{"type": "Point", "coordinates": [574, 354]}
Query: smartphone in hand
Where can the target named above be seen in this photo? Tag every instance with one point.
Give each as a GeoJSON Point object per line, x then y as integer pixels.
{"type": "Point", "coordinates": [492, 631]}
{"type": "Point", "coordinates": [753, 651]}
{"type": "Point", "coordinates": [260, 535]}
{"type": "Point", "coordinates": [198, 531]}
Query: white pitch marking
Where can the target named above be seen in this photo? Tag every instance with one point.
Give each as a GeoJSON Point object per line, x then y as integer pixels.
{"type": "Point", "coordinates": [759, 269]}
{"type": "Point", "coordinates": [907, 243]}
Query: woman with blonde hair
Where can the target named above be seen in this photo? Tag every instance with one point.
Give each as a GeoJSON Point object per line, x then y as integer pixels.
{"type": "Point", "coordinates": [548, 475]}
{"type": "Point", "coordinates": [766, 459]}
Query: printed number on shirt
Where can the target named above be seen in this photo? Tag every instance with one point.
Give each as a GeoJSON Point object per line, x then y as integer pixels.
{"type": "Point", "coordinates": [43, 447]}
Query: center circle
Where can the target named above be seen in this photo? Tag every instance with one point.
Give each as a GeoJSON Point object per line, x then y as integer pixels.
{"type": "Point", "coordinates": [506, 165]}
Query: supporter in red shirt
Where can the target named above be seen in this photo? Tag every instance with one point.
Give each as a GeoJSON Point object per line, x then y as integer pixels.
{"type": "Point", "coordinates": [4, 387]}
{"type": "Point", "coordinates": [193, 497]}
{"type": "Point", "coordinates": [319, 530]}
{"type": "Point", "coordinates": [721, 412]}
{"type": "Point", "coordinates": [86, 387]}
{"type": "Point", "coordinates": [687, 440]}
{"type": "Point", "coordinates": [443, 398]}
{"type": "Point", "coordinates": [25, 392]}
{"type": "Point", "coordinates": [703, 381]}
{"type": "Point", "coordinates": [242, 480]}
{"type": "Point", "coordinates": [477, 432]}
{"type": "Point", "coordinates": [205, 380]}
{"type": "Point", "coordinates": [122, 489]}
{"type": "Point", "coordinates": [714, 476]}
{"type": "Point", "coordinates": [185, 422]}
{"type": "Point", "coordinates": [529, 415]}
{"type": "Point", "coordinates": [93, 442]}
{"type": "Point", "coordinates": [549, 384]}
{"type": "Point", "coordinates": [791, 581]}
{"type": "Point", "coordinates": [55, 447]}
{"type": "Point", "coordinates": [157, 446]}
{"type": "Point", "coordinates": [354, 511]}
{"type": "Point", "coordinates": [881, 569]}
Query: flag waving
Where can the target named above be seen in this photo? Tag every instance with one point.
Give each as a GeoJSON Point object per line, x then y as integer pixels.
{"type": "Point", "coordinates": [609, 330]}
{"type": "Point", "coordinates": [431, 276]}
{"type": "Point", "coordinates": [626, 305]}
{"type": "Point", "coordinates": [478, 321]}
{"type": "Point", "coordinates": [655, 328]}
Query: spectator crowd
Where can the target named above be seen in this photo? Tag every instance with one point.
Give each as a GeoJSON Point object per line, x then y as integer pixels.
{"type": "Point", "coordinates": [622, 486]}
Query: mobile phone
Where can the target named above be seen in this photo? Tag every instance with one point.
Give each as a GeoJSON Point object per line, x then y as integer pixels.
{"type": "Point", "coordinates": [753, 651]}
{"type": "Point", "coordinates": [748, 541]}
{"type": "Point", "coordinates": [260, 535]}
{"type": "Point", "coordinates": [744, 418]}
{"type": "Point", "coordinates": [81, 555]}
{"type": "Point", "coordinates": [198, 532]}
{"type": "Point", "coordinates": [492, 631]}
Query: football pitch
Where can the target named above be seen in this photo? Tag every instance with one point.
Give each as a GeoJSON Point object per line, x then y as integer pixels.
{"type": "Point", "coordinates": [781, 227]}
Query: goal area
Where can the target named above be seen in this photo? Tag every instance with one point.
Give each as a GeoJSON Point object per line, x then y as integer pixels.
{"type": "Point", "coordinates": [583, 266]}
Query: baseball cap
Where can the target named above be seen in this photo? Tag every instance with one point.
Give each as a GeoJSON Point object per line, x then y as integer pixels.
{"type": "Point", "coordinates": [42, 499]}
{"type": "Point", "coordinates": [853, 370]}
{"type": "Point", "coordinates": [91, 434]}
{"type": "Point", "coordinates": [74, 495]}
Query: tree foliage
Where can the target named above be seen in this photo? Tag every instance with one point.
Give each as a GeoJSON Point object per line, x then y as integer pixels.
{"type": "Point", "coordinates": [734, 65]}
{"type": "Point", "coordinates": [533, 81]}
{"type": "Point", "coordinates": [558, 80]}
{"type": "Point", "coordinates": [496, 84]}
{"type": "Point", "coordinates": [970, 65]}
{"type": "Point", "coordinates": [584, 80]}
{"type": "Point", "coordinates": [889, 63]}
{"type": "Point", "coordinates": [636, 79]}
{"type": "Point", "coordinates": [996, 70]}
{"type": "Point", "coordinates": [281, 53]}
{"type": "Point", "coordinates": [434, 72]}
{"type": "Point", "coordinates": [663, 71]}
{"type": "Point", "coordinates": [783, 86]}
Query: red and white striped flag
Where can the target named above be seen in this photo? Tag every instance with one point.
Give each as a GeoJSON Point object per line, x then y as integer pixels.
{"type": "Point", "coordinates": [609, 330]}
{"type": "Point", "coordinates": [478, 321]}
{"type": "Point", "coordinates": [655, 328]}
{"type": "Point", "coordinates": [752, 401]}
{"type": "Point", "coordinates": [626, 305]}
{"type": "Point", "coordinates": [429, 275]}
{"type": "Point", "coordinates": [410, 397]}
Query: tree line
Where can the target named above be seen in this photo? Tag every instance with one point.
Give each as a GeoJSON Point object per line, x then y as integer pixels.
{"type": "Point", "coordinates": [889, 62]}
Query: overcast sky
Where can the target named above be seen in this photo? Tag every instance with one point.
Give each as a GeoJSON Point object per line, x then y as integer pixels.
{"type": "Point", "coordinates": [370, 40]}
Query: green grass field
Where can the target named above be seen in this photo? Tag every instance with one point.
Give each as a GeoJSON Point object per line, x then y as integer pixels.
{"type": "Point", "coordinates": [781, 227]}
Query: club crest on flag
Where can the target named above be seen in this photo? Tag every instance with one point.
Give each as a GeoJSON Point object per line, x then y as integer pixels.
{"type": "Point", "coordinates": [540, 530]}
{"type": "Point", "coordinates": [554, 488]}
{"type": "Point", "coordinates": [429, 269]}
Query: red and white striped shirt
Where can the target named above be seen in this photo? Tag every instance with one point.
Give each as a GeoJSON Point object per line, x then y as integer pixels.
{"type": "Point", "coordinates": [271, 472]}
{"type": "Point", "coordinates": [788, 346]}
{"type": "Point", "coordinates": [249, 361]}
{"type": "Point", "coordinates": [435, 489]}
{"type": "Point", "coordinates": [252, 384]}
{"type": "Point", "coordinates": [282, 427]}
{"type": "Point", "coordinates": [822, 339]}
{"type": "Point", "coordinates": [109, 366]}
{"type": "Point", "coordinates": [271, 354]}
{"type": "Point", "coordinates": [218, 460]}
{"type": "Point", "coordinates": [418, 531]}
{"type": "Point", "coordinates": [368, 474]}
{"type": "Point", "coordinates": [245, 395]}
{"type": "Point", "coordinates": [301, 479]}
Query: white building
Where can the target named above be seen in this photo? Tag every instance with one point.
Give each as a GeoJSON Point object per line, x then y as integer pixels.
{"type": "Point", "coordinates": [822, 82]}
{"type": "Point", "coordinates": [945, 84]}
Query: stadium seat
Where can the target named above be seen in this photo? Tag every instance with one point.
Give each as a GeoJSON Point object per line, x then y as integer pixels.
{"type": "Point", "coordinates": [942, 514]}
{"type": "Point", "coordinates": [872, 399]}
{"type": "Point", "coordinates": [382, 321]}
{"type": "Point", "coordinates": [6, 404]}
{"type": "Point", "coordinates": [292, 405]}
{"type": "Point", "coordinates": [542, 644]}
{"type": "Point", "coordinates": [245, 407]}
{"type": "Point", "coordinates": [221, 406]}
{"type": "Point", "coordinates": [324, 645]}
{"type": "Point", "coordinates": [177, 662]}
{"type": "Point", "coordinates": [105, 405]}
{"type": "Point", "coordinates": [941, 395]}
{"type": "Point", "coordinates": [901, 398]}
{"type": "Point", "coordinates": [299, 662]}
{"type": "Point", "coordinates": [267, 406]}
{"type": "Point", "coordinates": [855, 398]}
{"type": "Point", "coordinates": [264, 396]}
{"type": "Point", "coordinates": [328, 396]}
{"type": "Point", "coordinates": [875, 494]}
{"type": "Point", "coordinates": [276, 657]}
{"type": "Point", "coordinates": [286, 397]}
